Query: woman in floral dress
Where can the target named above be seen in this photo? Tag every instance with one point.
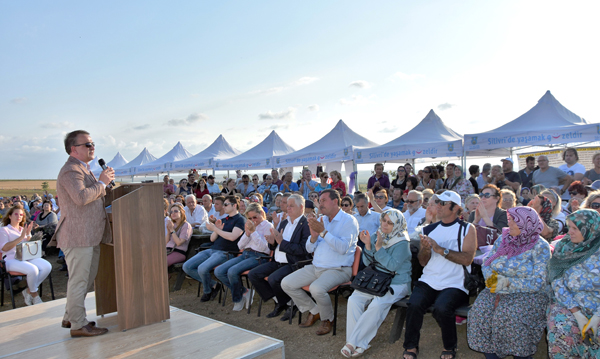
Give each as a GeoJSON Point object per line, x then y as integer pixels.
{"type": "Point", "coordinates": [574, 273]}
{"type": "Point", "coordinates": [509, 316]}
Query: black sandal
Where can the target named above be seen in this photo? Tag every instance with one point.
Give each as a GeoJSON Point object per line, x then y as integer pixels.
{"type": "Point", "coordinates": [449, 352]}
{"type": "Point", "coordinates": [411, 354]}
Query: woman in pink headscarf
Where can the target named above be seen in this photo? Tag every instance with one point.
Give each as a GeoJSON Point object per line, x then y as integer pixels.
{"type": "Point", "coordinates": [509, 316]}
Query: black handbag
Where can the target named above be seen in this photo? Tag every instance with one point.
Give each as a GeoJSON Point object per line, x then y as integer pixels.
{"type": "Point", "coordinates": [372, 280]}
{"type": "Point", "coordinates": [473, 283]}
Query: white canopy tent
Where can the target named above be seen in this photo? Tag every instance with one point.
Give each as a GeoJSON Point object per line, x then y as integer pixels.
{"type": "Point", "coordinates": [258, 157]}
{"type": "Point", "coordinates": [95, 167]}
{"type": "Point", "coordinates": [116, 162]}
{"type": "Point", "coordinates": [548, 123]}
{"type": "Point", "coordinates": [431, 138]}
{"type": "Point", "coordinates": [337, 146]}
{"type": "Point", "coordinates": [218, 150]}
{"type": "Point", "coordinates": [164, 164]}
{"type": "Point", "coordinates": [129, 169]}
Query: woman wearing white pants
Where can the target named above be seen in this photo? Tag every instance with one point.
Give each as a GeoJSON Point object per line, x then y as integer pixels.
{"type": "Point", "coordinates": [390, 248]}
{"type": "Point", "coordinates": [14, 232]}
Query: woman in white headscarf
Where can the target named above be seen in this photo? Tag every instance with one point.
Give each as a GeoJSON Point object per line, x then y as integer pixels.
{"type": "Point", "coordinates": [389, 248]}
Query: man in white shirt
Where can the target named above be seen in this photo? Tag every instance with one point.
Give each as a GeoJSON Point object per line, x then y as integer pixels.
{"type": "Point", "coordinates": [219, 209]}
{"type": "Point", "coordinates": [195, 215]}
{"type": "Point", "coordinates": [415, 211]}
{"type": "Point", "coordinates": [208, 205]}
{"type": "Point", "coordinates": [211, 185]}
{"type": "Point", "coordinates": [333, 241]}
{"type": "Point", "coordinates": [367, 220]}
{"type": "Point", "coordinates": [289, 243]}
{"type": "Point", "coordinates": [483, 178]}
{"type": "Point", "coordinates": [572, 168]}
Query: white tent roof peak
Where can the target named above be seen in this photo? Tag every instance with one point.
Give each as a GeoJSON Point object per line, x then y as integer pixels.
{"type": "Point", "coordinates": [117, 161]}
{"type": "Point", "coordinates": [272, 145]}
{"type": "Point", "coordinates": [430, 129]}
{"type": "Point", "coordinates": [340, 136]}
{"type": "Point", "coordinates": [220, 149]}
{"type": "Point", "coordinates": [547, 113]}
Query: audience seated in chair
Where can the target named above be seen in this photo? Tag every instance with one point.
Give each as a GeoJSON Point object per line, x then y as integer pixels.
{"type": "Point", "coordinates": [178, 232]}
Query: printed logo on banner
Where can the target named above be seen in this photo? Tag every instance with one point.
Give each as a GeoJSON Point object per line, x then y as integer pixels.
{"type": "Point", "coordinates": [216, 164]}
{"type": "Point", "coordinates": [268, 160]}
{"type": "Point", "coordinates": [209, 161]}
{"type": "Point", "coordinates": [474, 140]}
{"type": "Point", "coordinates": [277, 161]}
{"type": "Point", "coordinates": [345, 152]}
{"type": "Point", "coordinates": [451, 147]}
{"type": "Point", "coordinates": [358, 155]}
{"type": "Point", "coordinates": [598, 129]}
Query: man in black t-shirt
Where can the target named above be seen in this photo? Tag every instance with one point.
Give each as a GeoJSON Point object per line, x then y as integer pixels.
{"type": "Point", "coordinates": [226, 234]}
{"type": "Point", "coordinates": [511, 178]}
{"type": "Point", "coordinates": [526, 173]}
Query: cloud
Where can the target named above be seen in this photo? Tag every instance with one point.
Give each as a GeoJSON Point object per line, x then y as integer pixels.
{"type": "Point", "coordinates": [314, 107]}
{"type": "Point", "coordinates": [389, 129]}
{"type": "Point", "coordinates": [358, 100]}
{"type": "Point", "coordinates": [409, 77]}
{"type": "Point", "coordinates": [36, 149]}
{"type": "Point", "coordinates": [445, 106]}
{"type": "Point", "coordinates": [283, 115]}
{"type": "Point", "coordinates": [142, 127]}
{"type": "Point", "coordinates": [60, 125]}
{"type": "Point", "coordinates": [360, 84]}
{"type": "Point", "coordinates": [18, 100]}
{"type": "Point", "coordinates": [300, 82]}
{"type": "Point", "coordinates": [193, 118]}
{"type": "Point", "coordinates": [279, 127]}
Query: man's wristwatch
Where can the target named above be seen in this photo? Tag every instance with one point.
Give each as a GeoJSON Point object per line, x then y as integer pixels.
{"type": "Point", "coordinates": [322, 234]}
{"type": "Point", "coordinates": [446, 251]}
{"type": "Point", "coordinates": [172, 232]}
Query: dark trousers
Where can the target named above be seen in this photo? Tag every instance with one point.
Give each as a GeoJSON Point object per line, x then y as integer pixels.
{"type": "Point", "coordinates": [444, 302]}
{"type": "Point", "coordinates": [272, 288]}
{"type": "Point", "coordinates": [494, 356]}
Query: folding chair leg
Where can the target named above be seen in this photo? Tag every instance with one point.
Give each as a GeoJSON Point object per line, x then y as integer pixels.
{"type": "Point", "coordinates": [223, 291]}
{"type": "Point", "coordinates": [51, 286]}
{"type": "Point", "coordinates": [251, 293]}
{"type": "Point", "coordinates": [259, 305]}
{"type": "Point", "coordinates": [12, 293]}
{"type": "Point", "coordinates": [337, 292]}
{"type": "Point", "coordinates": [2, 294]}
{"type": "Point", "coordinates": [299, 316]}
{"type": "Point", "coordinates": [398, 325]}
{"type": "Point", "coordinates": [199, 286]}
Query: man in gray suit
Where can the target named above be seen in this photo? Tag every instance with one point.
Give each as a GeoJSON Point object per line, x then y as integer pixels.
{"type": "Point", "coordinates": [82, 227]}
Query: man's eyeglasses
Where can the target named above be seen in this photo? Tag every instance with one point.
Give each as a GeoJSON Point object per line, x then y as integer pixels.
{"type": "Point", "coordinates": [487, 195]}
{"type": "Point", "coordinates": [411, 202]}
{"type": "Point", "coordinates": [226, 204]}
{"type": "Point", "coordinates": [325, 177]}
{"type": "Point", "coordinates": [87, 144]}
{"type": "Point", "coordinates": [595, 205]}
{"type": "Point", "coordinates": [441, 203]}
{"type": "Point", "coordinates": [427, 172]}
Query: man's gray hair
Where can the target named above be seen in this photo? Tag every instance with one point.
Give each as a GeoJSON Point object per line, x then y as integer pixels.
{"type": "Point", "coordinates": [540, 156]}
{"type": "Point", "coordinates": [207, 195]}
{"type": "Point", "coordinates": [419, 194]}
{"type": "Point", "coordinates": [486, 167]}
{"type": "Point", "coordinates": [306, 170]}
{"type": "Point", "coordinates": [298, 199]}
{"type": "Point", "coordinates": [361, 197]}
{"type": "Point", "coordinates": [191, 196]}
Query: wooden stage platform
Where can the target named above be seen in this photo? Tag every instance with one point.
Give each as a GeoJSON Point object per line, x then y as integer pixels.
{"type": "Point", "coordinates": [35, 332]}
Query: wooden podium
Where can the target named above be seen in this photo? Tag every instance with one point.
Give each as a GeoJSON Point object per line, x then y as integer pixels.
{"type": "Point", "coordinates": [132, 275]}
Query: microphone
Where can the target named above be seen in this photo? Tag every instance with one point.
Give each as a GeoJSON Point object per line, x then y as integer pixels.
{"type": "Point", "coordinates": [103, 165]}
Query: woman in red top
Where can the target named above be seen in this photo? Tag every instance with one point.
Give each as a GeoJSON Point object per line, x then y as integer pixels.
{"type": "Point", "coordinates": [200, 188]}
{"type": "Point", "coordinates": [336, 177]}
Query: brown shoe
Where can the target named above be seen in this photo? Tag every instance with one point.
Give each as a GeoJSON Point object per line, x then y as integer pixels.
{"type": "Point", "coordinates": [325, 327]}
{"type": "Point", "coordinates": [67, 324]}
{"type": "Point", "coordinates": [88, 331]}
{"type": "Point", "coordinates": [310, 320]}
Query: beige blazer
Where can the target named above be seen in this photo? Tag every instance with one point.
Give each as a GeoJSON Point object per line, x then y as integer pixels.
{"type": "Point", "coordinates": [83, 219]}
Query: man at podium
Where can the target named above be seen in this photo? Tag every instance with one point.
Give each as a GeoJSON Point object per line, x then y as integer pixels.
{"type": "Point", "coordinates": [82, 227]}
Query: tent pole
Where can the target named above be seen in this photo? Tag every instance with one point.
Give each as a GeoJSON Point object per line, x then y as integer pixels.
{"type": "Point", "coordinates": [355, 169]}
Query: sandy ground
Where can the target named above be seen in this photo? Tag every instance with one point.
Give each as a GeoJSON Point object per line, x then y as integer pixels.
{"type": "Point", "coordinates": [299, 343]}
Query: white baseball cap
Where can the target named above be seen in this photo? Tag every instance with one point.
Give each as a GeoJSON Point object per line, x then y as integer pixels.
{"type": "Point", "coordinates": [450, 196]}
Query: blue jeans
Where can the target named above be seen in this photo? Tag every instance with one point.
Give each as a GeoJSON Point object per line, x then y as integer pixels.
{"type": "Point", "coordinates": [230, 271]}
{"type": "Point", "coordinates": [444, 302]}
{"type": "Point", "coordinates": [200, 265]}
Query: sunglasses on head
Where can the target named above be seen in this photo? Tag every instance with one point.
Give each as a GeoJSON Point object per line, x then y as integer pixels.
{"type": "Point", "coordinates": [87, 144]}
{"type": "Point", "coordinates": [487, 195]}
{"type": "Point", "coordinates": [595, 205]}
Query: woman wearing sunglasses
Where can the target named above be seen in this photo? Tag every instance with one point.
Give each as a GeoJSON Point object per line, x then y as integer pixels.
{"type": "Point", "coordinates": [578, 192]}
{"type": "Point", "coordinates": [593, 201]}
{"type": "Point", "coordinates": [177, 234]}
{"type": "Point", "coordinates": [323, 185]}
{"type": "Point", "coordinates": [347, 205]}
{"type": "Point", "coordinates": [183, 189]}
{"type": "Point", "coordinates": [488, 213]}
{"type": "Point", "coordinates": [428, 180]}
{"type": "Point", "coordinates": [400, 180]}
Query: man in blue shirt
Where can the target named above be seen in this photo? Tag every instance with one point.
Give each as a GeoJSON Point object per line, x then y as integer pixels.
{"type": "Point", "coordinates": [307, 184]}
{"type": "Point", "coordinates": [226, 233]}
{"type": "Point", "coordinates": [333, 242]}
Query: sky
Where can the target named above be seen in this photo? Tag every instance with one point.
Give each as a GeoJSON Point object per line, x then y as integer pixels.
{"type": "Point", "coordinates": [148, 74]}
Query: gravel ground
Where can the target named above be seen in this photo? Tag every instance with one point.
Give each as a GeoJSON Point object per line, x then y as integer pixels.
{"type": "Point", "coordinates": [299, 342]}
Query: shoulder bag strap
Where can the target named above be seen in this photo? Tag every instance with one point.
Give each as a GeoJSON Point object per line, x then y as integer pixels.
{"type": "Point", "coordinates": [458, 240]}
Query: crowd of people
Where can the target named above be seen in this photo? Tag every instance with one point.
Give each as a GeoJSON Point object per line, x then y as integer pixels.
{"type": "Point", "coordinates": [534, 233]}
